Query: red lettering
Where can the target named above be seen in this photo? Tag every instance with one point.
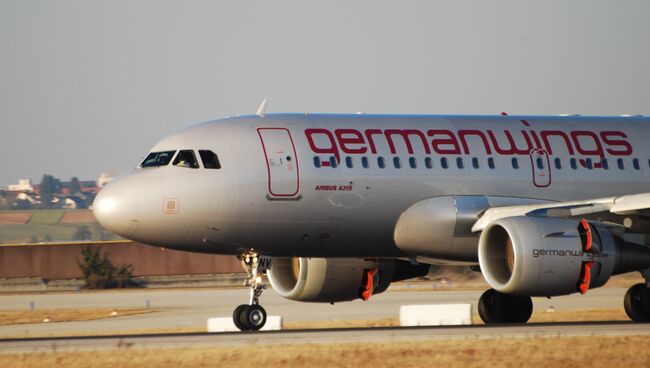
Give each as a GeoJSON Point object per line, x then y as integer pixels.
{"type": "Point", "coordinates": [463, 133]}
{"type": "Point", "coordinates": [331, 150]}
{"type": "Point", "coordinates": [371, 142]}
{"type": "Point", "coordinates": [405, 136]}
{"type": "Point", "coordinates": [450, 141]}
{"type": "Point", "coordinates": [355, 140]}
{"type": "Point", "coordinates": [598, 148]}
{"type": "Point", "coordinates": [558, 133]}
{"type": "Point", "coordinates": [513, 149]}
{"type": "Point", "coordinates": [605, 135]}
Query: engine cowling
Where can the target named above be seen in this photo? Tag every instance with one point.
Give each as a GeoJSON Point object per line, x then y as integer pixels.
{"type": "Point", "coordinates": [336, 279]}
{"type": "Point", "coordinates": [547, 256]}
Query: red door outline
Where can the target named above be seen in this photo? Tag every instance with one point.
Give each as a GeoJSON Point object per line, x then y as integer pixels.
{"type": "Point", "coordinates": [541, 176]}
{"type": "Point", "coordinates": [268, 165]}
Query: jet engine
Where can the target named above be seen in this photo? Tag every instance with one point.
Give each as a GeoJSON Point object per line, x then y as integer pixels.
{"type": "Point", "coordinates": [337, 279]}
{"type": "Point", "coordinates": [538, 256]}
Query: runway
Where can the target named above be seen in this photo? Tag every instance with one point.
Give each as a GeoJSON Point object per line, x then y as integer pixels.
{"type": "Point", "coordinates": [323, 336]}
{"type": "Point", "coordinates": [191, 308]}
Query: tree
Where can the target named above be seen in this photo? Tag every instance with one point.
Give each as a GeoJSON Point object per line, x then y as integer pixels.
{"type": "Point", "coordinates": [100, 273]}
{"type": "Point", "coordinates": [75, 185]}
{"type": "Point", "coordinates": [49, 187]}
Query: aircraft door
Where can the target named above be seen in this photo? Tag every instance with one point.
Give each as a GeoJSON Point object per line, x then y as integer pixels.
{"type": "Point", "coordinates": [281, 163]}
{"type": "Point", "coordinates": [541, 165]}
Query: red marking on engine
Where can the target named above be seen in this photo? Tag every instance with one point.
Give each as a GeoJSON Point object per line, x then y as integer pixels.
{"type": "Point", "coordinates": [587, 229]}
{"type": "Point", "coordinates": [586, 277]}
{"type": "Point", "coordinates": [370, 285]}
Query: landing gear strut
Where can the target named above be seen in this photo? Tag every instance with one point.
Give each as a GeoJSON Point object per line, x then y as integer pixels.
{"type": "Point", "coordinates": [495, 307]}
{"type": "Point", "coordinates": [251, 316]}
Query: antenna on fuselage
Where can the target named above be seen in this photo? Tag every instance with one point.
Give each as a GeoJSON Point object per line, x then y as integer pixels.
{"type": "Point", "coordinates": [261, 111]}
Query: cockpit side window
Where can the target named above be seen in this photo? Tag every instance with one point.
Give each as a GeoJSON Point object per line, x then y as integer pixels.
{"type": "Point", "coordinates": [210, 159]}
{"type": "Point", "coordinates": [186, 158]}
{"type": "Point", "coordinates": [155, 159]}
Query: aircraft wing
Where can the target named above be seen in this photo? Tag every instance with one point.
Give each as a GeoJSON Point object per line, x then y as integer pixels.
{"type": "Point", "coordinates": [622, 205]}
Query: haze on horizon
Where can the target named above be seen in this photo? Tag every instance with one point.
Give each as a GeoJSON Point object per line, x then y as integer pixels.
{"type": "Point", "coordinates": [88, 87]}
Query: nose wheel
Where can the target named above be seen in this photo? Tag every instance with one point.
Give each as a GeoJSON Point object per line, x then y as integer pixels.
{"type": "Point", "coordinates": [251, 316]}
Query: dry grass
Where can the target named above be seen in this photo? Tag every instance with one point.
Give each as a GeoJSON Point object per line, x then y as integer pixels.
{"type": "Point", "coordinates": [574, 315]}
{"type": "Point", "coordinates": [64, 315]}
{"type": "Point", "coordinates": [593, 351]}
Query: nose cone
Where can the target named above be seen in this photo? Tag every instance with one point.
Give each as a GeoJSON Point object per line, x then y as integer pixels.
{"type": "Point", "coordinates": [115, 208]}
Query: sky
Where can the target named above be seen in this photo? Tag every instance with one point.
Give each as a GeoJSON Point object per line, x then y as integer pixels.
{"type": "Point", "coordinates": [89, 86]}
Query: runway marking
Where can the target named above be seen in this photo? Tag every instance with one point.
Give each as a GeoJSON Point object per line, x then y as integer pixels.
{"type": "Point", "coordinates": [323, 336]}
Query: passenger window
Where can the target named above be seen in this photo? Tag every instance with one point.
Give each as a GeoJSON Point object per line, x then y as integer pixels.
{"type": "Point", "coordinates": [558, 163]}
{"type": "Point", "coordinates": [316, 161]}
{"type": "Point", "coordinates": [364, 162]}
{"type": "Point", "coordinates": [428, 162]}
{"type": "Point", "coordinates": [397, 162]}
{"type": "Point", "coordinates": [621, 164]}
{"type": "Point", "coordinates": [490, 162]}
{"type": "Point", "coordinates": [574, 164]}
{"type": "Point", "coordinates": [211, 161]}
{"type": "Point", "coordinates": [333, 162]}
{"type": "Point", "coordinates": [475, 162]}
{"type": "Point", "coordinates": [515, 163]}
{"type": "Point", "coordinates": [348, 162]}
{"type": "Point", "coordinates": [186, 158]}
{"type": "Point", "coordinates": [444, 163]}
{"type": "Point", "coordinates": [380, 162]}
{"type": "Point", "coordinates": [412, 163]}
{"type": "Point", "coordinates": [590, 164]}
{"type": "Point", "coordinates": [636, 165]}
{"type": "Point", "coordinates": [605, 164]}
{"type": "Point", "coordinates": [459, 162]}
{"type": "Point", "coordinates": [155, 159]}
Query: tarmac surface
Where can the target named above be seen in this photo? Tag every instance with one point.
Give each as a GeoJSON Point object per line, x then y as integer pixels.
{"type": "Point", "coordinates": [332, 336]}
{"type": "Point", "coordinates": [184, 308]}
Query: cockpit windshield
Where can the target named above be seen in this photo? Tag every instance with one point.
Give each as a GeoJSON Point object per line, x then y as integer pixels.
{"type": "Point", "coordinates": [155, 159]}
{"type": "Point", "coordinates": [186, 158]}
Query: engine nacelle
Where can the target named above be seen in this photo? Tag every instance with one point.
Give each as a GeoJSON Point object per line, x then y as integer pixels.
{"type": "Point", "coordinates": [547, 256]}
{"type": "Point", "coordinates": [336, 279]}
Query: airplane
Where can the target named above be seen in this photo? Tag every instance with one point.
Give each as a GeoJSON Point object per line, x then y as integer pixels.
{"type": "Point", "coordinates": [336, 207]}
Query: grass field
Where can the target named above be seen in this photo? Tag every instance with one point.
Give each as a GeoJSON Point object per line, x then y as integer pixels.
{"type": "Point", "coordinates": [46, 217]}
{"type": "Point", "coordinates": [590, 351]}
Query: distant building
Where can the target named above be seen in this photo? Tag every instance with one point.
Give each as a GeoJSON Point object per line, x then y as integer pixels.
{"type": "Point", "coordinates": [24, 185]}
{"type": "Point", "coordinates": [104, 179]}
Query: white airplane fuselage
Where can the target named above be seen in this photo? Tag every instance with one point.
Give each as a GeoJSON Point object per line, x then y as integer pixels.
{"type": "Point", "coordinates": [313, 185]}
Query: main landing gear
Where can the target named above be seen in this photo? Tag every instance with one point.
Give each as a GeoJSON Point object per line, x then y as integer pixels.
{"type": "Point", "coordinates": [637, 300]}
{"type": "Point", "coordinates": [495, 307]}
{"type": "Point", "coordinates": [251, 316]}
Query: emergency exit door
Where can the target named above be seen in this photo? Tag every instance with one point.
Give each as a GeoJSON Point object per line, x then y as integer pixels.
{"type": "Point", "coordinates": [281, 162]}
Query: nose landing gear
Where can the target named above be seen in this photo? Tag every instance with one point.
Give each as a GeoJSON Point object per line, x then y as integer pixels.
{"type": "Point", "coordinates": [251, 316]}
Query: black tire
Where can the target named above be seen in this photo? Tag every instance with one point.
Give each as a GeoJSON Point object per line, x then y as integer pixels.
{"type": "Point", "coordinates": [255, 317]}
{"type": "Point", "coordinates": [489, 307]}
{"type": "Point", "coordinates": [637, 303]}
{"type": "Point", "coordinates": [237, 317]}
{"type": "Point", "coordinates": [521, 309]}
{"type": "Point", "coordinates": [495, 307]}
